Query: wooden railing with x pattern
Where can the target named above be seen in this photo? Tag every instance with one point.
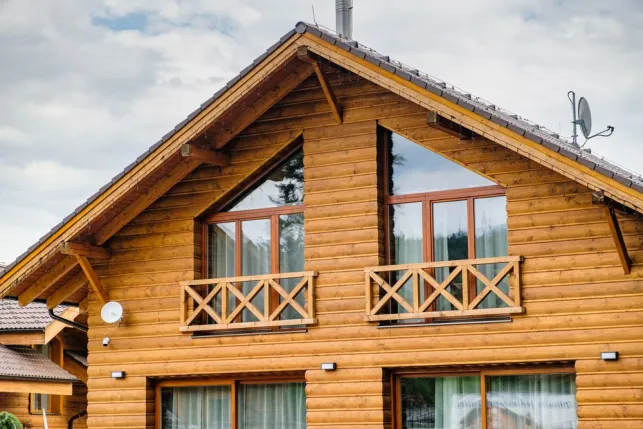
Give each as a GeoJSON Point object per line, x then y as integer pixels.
{"type": "Point", "coordinates": [380, 294]}
{"type": "Point", "coordinates": [198, 313]}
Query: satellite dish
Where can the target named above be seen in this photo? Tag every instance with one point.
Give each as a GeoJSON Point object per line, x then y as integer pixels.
{"type": "Point", "coordinates": [584, 117]}
{"type": "Point", "coordinates": [111, 312]}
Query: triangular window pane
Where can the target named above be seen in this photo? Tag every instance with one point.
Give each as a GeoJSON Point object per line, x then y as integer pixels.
{"type": "Point", "coordinates": [283, 186]}
{"type": "Point", "coordinates": [413, 169]}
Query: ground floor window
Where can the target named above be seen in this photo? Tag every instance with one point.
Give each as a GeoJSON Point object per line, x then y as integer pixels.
{"type": "Point", "coordinates": [488, 400]}
{"type": "Point", "coordinates": [231, 405]}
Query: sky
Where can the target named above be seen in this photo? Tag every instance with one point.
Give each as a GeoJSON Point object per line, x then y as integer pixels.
{"type": "Point", "coordinates": [88, 85]}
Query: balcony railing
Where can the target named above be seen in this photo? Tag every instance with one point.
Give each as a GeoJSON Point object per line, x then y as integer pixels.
{"type": "Point", "coordinates": [416, 290]}
{"type": "Point", "coordinates": [219, 304]}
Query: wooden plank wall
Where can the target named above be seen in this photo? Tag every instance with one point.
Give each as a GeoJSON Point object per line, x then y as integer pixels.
{"type": "Point", "coordinates": [18, 404]}
{"type": "Point", "coordinates": [578, 301]}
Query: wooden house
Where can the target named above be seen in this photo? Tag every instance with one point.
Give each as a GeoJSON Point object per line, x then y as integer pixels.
{"type": "Point", "coordinates": [336, 240]}
{"type": "Point", "coordinates": [43, 365]}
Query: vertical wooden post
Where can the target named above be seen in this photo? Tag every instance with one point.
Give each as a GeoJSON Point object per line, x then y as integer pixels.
{"type": "Point", "coordinates": [369, 292]}
{"type": "Point", "coordinates": [311, 297]}
{"type": "Point", "coordinates": [516, 283]}
{"type": "Point", "coordinates": [266, 300]}
{"type": "Point", "coordinates": [183, 315]}
{"type": "Point", "coordinates": [416, 290]}
{"type": "Point", "coordinates": [465, 287]}
{"type": "Point", "coordinates": [224, 302]}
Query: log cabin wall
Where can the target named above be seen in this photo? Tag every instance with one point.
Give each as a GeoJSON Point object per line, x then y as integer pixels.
{"type": "Point", "coordinates": [578, 301]}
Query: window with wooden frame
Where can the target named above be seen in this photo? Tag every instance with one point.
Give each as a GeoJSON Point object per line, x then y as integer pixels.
{"type": "Point", "coordinates": [437, 210]}
{"type": "Point", "coordinates": [486, 399]}
{"type": "Point", "coordinates": [231, 404]}
{"type": "Point", "coordinates": [38, 402]}
{"type": "Point", "coordinates": [260, 232]}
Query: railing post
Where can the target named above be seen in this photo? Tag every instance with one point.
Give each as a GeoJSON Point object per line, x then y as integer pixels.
{"type": "Point", "coordinates": [416, 290]}
{"type": "Point", "coordinates": [465, 287]}
{"type": "Point", "coordinates": [369, 292]}
{"type": "Point", "coordinates": [516, 283]}
{"type": "Point", "coordinates": [183, 309]}
{"type": "Point", "coordinates": [224, 302]}
{"type": "Point", "coordinates": [311, 297]}
{"type": "Point", "coordinates": [266, 300]}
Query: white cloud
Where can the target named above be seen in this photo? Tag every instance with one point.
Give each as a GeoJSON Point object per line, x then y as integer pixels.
{"type": "Point", "coordinates": [80, 100]}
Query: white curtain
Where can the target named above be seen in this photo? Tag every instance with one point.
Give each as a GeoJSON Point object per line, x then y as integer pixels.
{"type": "Point", "coordinates": [491, 241]}
{"type": "Point", "coordinates": [544, 401]}
{"type": "Point", "coordinates": [272, 406]}
{"type": "Point", "coordinates": [196, 407]}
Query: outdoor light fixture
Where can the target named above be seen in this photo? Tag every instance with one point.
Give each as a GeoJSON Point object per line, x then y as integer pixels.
{"type": "Point", "coordinates": [118, 374]}
{"type": "Point", "coordinates": [329, 366]}
{"type": "Point", "coordinates": [609, 355]}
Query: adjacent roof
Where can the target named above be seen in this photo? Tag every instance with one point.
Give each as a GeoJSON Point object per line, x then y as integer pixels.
{"type": "Point", "coordinates": [80, 358]}
{"type": "Point", "coordinates": [24, 362]}
{"type": "Point", "coordinates": [502, 117]}
{"type": "Point", "coordinates": [32, 317]}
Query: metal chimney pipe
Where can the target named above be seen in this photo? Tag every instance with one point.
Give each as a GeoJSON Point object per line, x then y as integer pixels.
{"type": "Point", "coordinates": [344, 18]}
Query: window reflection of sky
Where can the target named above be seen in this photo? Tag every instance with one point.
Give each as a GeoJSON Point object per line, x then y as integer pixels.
{"type": "Point", "coordinates": [417, 169]}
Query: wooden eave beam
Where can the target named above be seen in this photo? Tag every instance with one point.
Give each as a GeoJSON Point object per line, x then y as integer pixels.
{"type": "Point", "coordinates": [609, 208]}
{"type": "Point", "coordinates": [205, 155]}
{"type": "Point", "coordinates": [449, 127]}
{"type": "Point", "coordinates": [261, 106]}
{"type": "Point", "coordinates": [621, 248]}
{"type": "Point", "coordinates": [47, 280]}
{"type": "Point", "coordinates": [152, 194]}
{"type": "Point", "coordinates": [94, 281]}
{"type": "Point", "coordinates": [84, 249]}
{"type": "Point", "coordinates": [55, 326]}
{"type": "Point", "coordinates": [61, 294]}
{"type": "Point", "coordinates": [75, 368]}
{"type": "Point", "coordinates": [304, 55]}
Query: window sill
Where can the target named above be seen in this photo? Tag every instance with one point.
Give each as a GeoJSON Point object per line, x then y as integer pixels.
{"type": "Point", "coordinates": [198, 336]}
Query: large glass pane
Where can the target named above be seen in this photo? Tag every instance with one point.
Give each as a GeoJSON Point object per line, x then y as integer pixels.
{"type": "Point", "coordinates": [405, 246]}
{"type": "Point", "coordinates": [282, 187]}
{"type": "Point", "coordinates": [544, 401]}
{"type": "Point", "coordinates": [441, 403]}
{"type": "Point", "coordinates": [450, 243]}
{"type": "Point", "coordinates": [272, 406]}
{"type": "Point", "coordinates": [413, 168]}
{"type": "Point", "coordinates": [199, 407]}
{"type": "Point", "coordinates": [491, 241]}
{"type": "Point", "coordinates": [291, 257]}
{"type": "Point", "coordinates": [255, 259]}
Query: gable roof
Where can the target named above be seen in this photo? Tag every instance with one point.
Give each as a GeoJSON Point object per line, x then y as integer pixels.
{"type": "Point", "coordinates": [32, 317]}
{"type": "Point", "coordinates": [24, 362]}
{"type": "Point", "coordinates": [518, 127]}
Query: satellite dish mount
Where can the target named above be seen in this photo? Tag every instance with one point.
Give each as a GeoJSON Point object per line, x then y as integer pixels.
{"type": "Point", "coordinates": [583, 117]}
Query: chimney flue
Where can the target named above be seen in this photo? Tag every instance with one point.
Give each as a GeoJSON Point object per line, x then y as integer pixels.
{"type": "Point", "coordinates": [344, 18]}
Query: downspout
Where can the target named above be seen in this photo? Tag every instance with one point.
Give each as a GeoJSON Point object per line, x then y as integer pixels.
{"type": "Point", "coordinates": [67, 322]}
{"type": "Point", "coordinates": [70, 424]}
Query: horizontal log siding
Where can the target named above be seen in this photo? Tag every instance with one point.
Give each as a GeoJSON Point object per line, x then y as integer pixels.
{"type": "Point", "coordinates": [578, 301]}
{"type": "Point", "coordinates": [18, 404]}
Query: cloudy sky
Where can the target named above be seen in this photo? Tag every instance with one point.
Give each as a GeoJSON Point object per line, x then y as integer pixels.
{"type": "Point", "coordinates": [88, 85]}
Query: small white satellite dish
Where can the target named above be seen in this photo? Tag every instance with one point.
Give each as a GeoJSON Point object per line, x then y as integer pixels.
{"type": "Point", "coordinates": [584, 117]}
{"type": "Point", "coordinates": [111, 312]}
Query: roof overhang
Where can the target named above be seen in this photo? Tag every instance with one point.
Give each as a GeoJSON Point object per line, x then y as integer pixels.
{"type": "Point", "coordinates": [158, 169]}
{"type": "Point", "coordinates": [36, 386]}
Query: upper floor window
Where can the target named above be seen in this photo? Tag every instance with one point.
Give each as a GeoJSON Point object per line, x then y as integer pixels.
{"type": "Point", "coordinates": [437, 210]}
{"type": "Point", "coordinates": [262, 232]}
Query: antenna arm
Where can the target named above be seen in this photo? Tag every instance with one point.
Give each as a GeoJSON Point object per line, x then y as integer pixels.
{"type": "Point", "coordinates": [605, 133]}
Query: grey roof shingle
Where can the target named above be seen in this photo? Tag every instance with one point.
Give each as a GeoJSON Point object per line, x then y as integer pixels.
{"type": "Point", "coordinates": [488, 110]}
{"type": "Point", "coordinates": [80, 358]}
{"type": "Point", "coordinates": [24, 362]}
{"type": "Point", "coordinates": [32, 317]}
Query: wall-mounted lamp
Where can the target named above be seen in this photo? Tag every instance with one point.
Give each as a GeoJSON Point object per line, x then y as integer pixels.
{"type": "Point", "coordinates": [118, 374]}
{"type": "Point", "coordinates": [609, 355]}
{"type": "Point", "coordinates": [329, 366]}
